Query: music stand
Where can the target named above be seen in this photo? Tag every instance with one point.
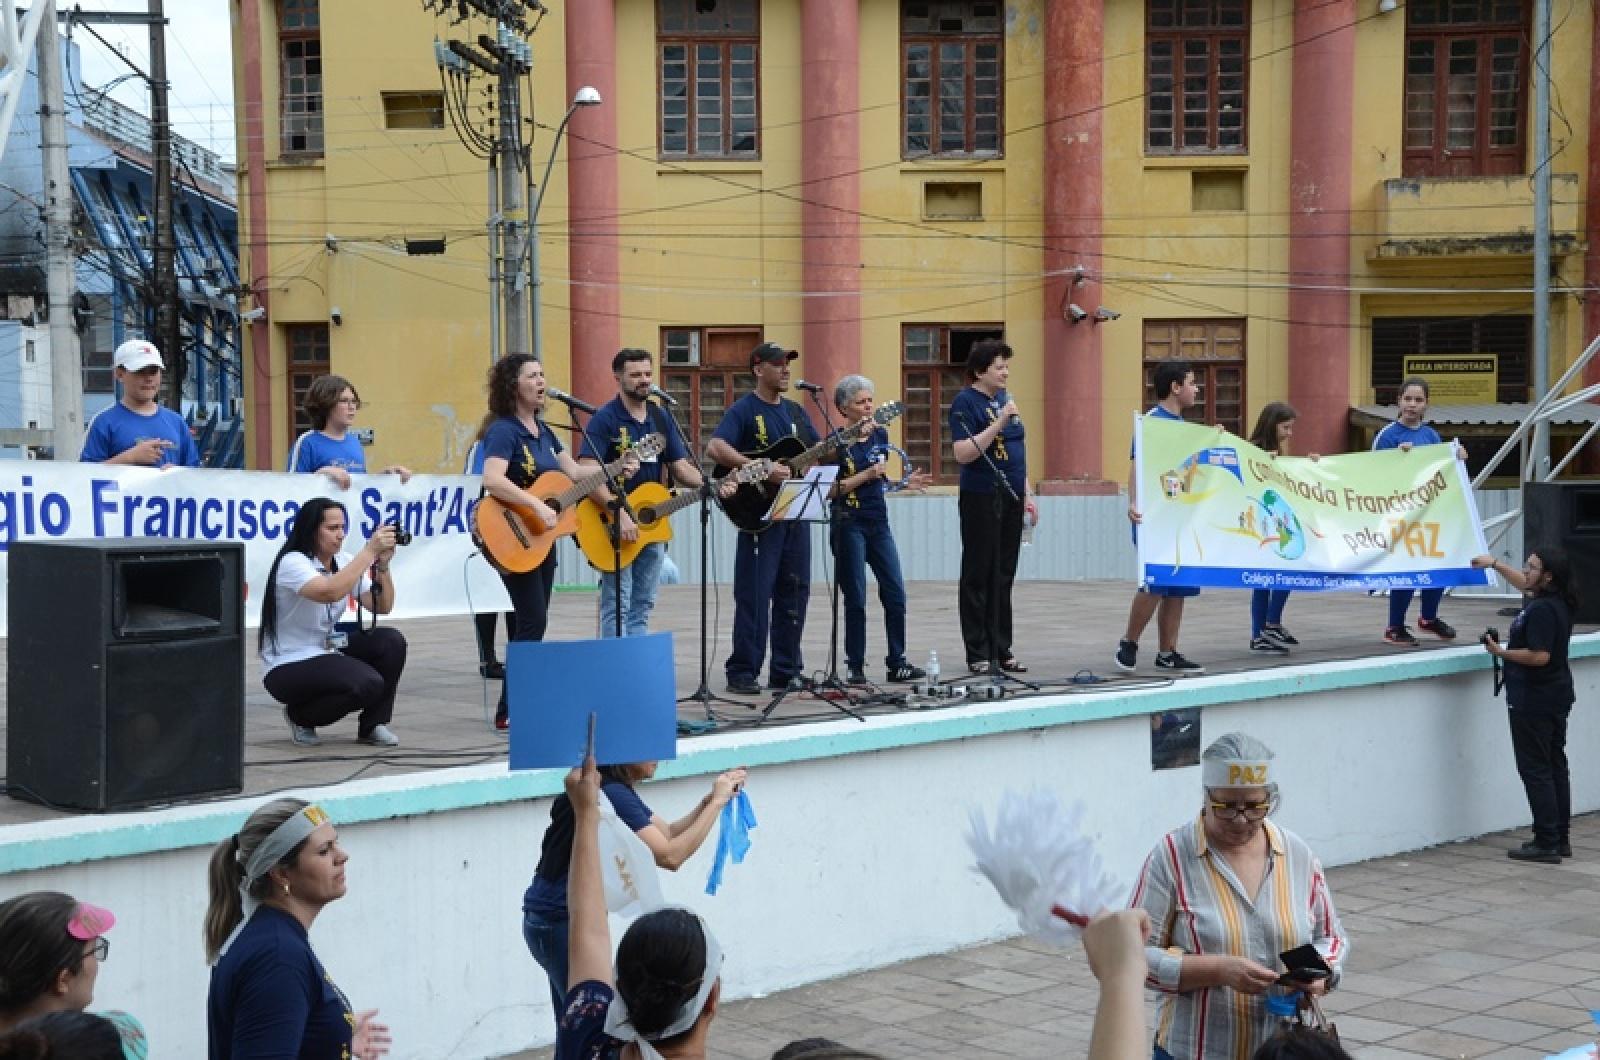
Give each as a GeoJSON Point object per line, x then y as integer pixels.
{"type": "Point", "coordinates": [804, 500]}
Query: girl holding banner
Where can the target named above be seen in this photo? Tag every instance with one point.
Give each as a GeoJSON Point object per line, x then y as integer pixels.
{"type": "Point", "coordinates": [1404, 433]}
{"type": "Point", "coordinates": [1274, 431]}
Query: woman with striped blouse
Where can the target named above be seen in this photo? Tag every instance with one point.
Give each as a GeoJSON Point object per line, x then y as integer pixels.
{"type": "Point", "coordinates": [1227, 893]}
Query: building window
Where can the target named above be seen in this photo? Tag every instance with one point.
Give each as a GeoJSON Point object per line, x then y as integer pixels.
{"type": "Point", "coordinates": [1197, 55]}
{"type": "Point", "coordinates": [933, 370]}
{"type": "Point", "coordinates": [1466, 88]}
{"type": "Point", "coordinates": [307, 346]}
{"type": "Point", "coordinates": [953, 70]}
{"type": "Point", "coordinates": [413, 110]}
{"type": "Point", "coordinates": [300, 75]}
{"type": "Point", "coordinates": [709, 52]}
{"type": "Point", "coordinates": [1505, 338]}
{"type": "Point", "coordinates": [1215, 350]}
{"type": "Point", "coordinates": [706, 370]}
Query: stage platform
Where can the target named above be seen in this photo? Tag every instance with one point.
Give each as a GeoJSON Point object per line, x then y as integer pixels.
{"type": "Point", "coordinates": [859, 859]}
{"type": "Point", "coordinates": [1063, 629]}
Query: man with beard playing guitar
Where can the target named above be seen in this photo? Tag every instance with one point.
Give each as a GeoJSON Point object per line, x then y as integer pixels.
{"type": "Point", "coordinates": [772, 569]}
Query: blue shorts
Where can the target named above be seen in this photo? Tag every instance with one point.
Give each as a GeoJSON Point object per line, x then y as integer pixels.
{"type": "Point", "coordinates": [1176, 591]}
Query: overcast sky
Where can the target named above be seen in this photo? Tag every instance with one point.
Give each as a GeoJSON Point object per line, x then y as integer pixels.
{"type": "Point", "coordinates": [199, 65]}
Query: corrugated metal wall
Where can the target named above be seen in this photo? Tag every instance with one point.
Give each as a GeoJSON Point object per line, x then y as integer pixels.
{"type": "Point", "coordinates": [1078, 538]}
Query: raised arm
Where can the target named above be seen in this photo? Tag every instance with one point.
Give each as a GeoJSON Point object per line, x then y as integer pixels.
{"type": "Point", "coordinates": [588, 935]}
{"type": "Point", "coordinates": [673, 843]}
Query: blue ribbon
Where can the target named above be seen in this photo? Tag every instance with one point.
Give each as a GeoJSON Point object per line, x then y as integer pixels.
{"type": "Point", "coordinates": [733, 837]}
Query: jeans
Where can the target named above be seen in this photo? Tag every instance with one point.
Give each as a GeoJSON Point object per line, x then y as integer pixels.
{"type": "Point", "coordinates": [857, 544]}
{"type": "Point", "coordinates": [363, 678]}
{"type": "Point", "coordinates": [1266, 609]}
{"type": "Point", "coordinates": [530, 601]}
{"type": "Point", "coordinates": [639, 581]}
{"type": "Point", "coordinates": [547, 941]}
{"type": "Point", "coordinates": [771, 587]}
{"type": "Point", "coordinates": [1400, 600]}
{"type": "Point", "coordinates": [1539, 740]}
{"type": "Point", "coordinates": [981, 540]}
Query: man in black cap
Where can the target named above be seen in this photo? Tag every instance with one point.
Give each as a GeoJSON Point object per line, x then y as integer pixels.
{"type": "Point", "coordinates": [771, 570]}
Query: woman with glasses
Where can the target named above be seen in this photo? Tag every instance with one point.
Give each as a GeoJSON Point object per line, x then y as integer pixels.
{"type": "Point", "coordinates": [331, 448]}
{"type": "Point", "coordinates": [1227, 893]}
{"type": "Point", "coordinates": [51, 949]}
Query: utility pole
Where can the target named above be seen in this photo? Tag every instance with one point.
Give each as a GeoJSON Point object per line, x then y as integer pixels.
{"type": "Point", "coordinates": [66, 369]}
{"type": "Point", "coordinates": [1539, 446]}
{"type": "Point", "coordinates": [502, 52]}
{"type": "Point", "coordinates": [163, 272]}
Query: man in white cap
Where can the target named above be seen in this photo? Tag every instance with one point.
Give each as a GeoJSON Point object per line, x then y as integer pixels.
{"type": "Point", "coordinates": [138, 429]}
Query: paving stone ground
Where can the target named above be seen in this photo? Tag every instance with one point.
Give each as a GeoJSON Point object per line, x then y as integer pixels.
{"type": "Point", "coordinates": [1455, 952]}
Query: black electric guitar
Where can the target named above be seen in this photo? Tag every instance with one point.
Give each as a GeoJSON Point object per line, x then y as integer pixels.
{"type": "Point", "coordinates": [748, 507]}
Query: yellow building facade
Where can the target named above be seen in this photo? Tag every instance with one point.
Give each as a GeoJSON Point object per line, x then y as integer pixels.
{"type": "Point", "coordinates": [881, 214]}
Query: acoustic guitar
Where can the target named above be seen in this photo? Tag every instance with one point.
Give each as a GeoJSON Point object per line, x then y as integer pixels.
{"type": "Point", "coordinates": [749, 506]}
{"type": "Point", "coordinates": [514, 541]}
{"type": "Point", "coordinates": [652, 505]}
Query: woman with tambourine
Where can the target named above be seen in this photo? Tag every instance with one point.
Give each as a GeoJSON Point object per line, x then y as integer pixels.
{"type": "Point", "coordinates": [861, 535]}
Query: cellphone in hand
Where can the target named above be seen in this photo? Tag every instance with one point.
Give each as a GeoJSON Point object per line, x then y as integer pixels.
{"type": "Point", "coordinates": [1305, 965]}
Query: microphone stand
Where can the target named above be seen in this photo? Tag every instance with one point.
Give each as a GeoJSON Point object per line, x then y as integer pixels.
{"type": "Point", "coordinates": [614, 508]}
{"type": "Point", "coordinates": [830, 680]}
{"type": "Point", "coordinates": [997, 676]}
{"type": "Point", "coordinates": [702, 693]}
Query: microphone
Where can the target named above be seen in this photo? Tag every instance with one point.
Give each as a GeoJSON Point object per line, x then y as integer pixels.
{"type": "Point", "coordinates": [570, 401]}
{"type": "Point", "coordinates": [810, 388]}
{"type": "Point", "coordinates": [1015, 420]}
{"type": "Point", "coordinates": [662, 396]}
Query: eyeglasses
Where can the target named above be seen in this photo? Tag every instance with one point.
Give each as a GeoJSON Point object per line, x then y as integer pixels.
{"type": "Point", "coordinates": [1232, 811]}
{"type": "Point", "coordinates": [99, 949]}
{"type": "Point", "coordinates": [354, 403]}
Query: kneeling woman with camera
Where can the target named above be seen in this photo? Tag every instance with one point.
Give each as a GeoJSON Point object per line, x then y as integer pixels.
{"type": "Point", "coordinates": [319, 668]}
{"type": "Point", "coordinates": [1539, 691]}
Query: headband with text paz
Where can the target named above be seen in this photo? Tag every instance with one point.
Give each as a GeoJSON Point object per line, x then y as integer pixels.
{"type": "Point", "coordinates": [284, 838]}
{"type": "Point", "coordinates": [1235, 773]}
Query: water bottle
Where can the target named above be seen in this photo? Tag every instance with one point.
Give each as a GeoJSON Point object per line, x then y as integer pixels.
{"type": "Point", "coordinates": [933, 669]}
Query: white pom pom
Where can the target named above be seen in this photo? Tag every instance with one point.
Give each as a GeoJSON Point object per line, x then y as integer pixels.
{"type": "Point", "coordinates": [1042, 865]}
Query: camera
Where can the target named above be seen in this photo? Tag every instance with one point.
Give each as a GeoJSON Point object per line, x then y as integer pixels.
{"type": "Point", "coordinates": [402, 537]}
{"type": "Point", "coordinates": [1489, 634]}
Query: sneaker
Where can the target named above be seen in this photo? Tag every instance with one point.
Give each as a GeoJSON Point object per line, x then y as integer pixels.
{"type": "Point", "coordinates": [1279, 634]}
{"type": "Point", "coordinates": [793, 684]}
{"type": "Point", "coordinates": [502, 720]}
{"type": "Point", "coordinates": [1127, 655]}
{"type": "Point", "coordinates": [1438, 627]}
{"type": "Point", "coordinates": [1266, 645]}
{"type": "Point", "coordinates": [743, 686]}
{"type": "Point", "coordinates": [304, 735]}
{"type": "Point", "coordinates": [1535, 852]}
{"type": "Point", "coordinates": [856, 677]}
{"type": "Point", "coordinates": [493, 670]}
{"type": "Point", "coordinates": [1400, 635]}
{"type": "Point", "coordinates": [905, 673]}
{"type": "Point", "coordinates": [379, 736]}
{"type": "Point", "coordinates": [1171, 660]}
{"type": "Point", "coordinates": [1565, 848]}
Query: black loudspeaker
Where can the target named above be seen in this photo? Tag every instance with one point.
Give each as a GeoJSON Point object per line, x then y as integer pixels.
{"type": "Point", "coordinates": [125, 671]}
{"type": "Point", "coordinates": [1568, 514]}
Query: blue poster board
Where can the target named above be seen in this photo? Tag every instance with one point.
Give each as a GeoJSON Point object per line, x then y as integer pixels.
{"type": "Point", "coordinates": [628, 684]}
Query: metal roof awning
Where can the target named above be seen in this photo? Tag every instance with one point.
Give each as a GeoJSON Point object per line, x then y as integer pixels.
{"type": "Point", "coordinates": [1499, 415]}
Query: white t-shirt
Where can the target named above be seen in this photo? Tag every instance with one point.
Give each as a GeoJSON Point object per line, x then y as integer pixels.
{"type": "Point", "coordinates": [303, 625]}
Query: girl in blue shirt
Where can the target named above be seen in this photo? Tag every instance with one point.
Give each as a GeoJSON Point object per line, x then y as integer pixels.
{"type": "Point", "coordinates": [1404, 433]}
{"type": "Point", "coordinates": [331, 447]}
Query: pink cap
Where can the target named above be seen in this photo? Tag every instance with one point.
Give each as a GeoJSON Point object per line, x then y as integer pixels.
{"type": "Point", "coordinates": [89, 922]}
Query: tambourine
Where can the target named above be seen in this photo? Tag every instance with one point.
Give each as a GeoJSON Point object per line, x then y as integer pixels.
{"type": "Point", "coordinates": [880, 455]}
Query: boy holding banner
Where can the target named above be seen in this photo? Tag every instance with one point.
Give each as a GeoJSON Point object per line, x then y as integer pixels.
{"type": "Point", "coordinates": [1176, 390]}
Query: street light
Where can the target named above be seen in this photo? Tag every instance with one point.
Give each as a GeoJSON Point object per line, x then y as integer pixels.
{"type": "Point", "coordinates": [587, 96]}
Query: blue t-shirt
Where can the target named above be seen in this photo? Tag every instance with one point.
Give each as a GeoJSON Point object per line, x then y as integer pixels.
{"type": "Point", "coordinates": [751, 425]}
{"type": "Point", "coordinates": [616, 431]}
{"type": "Point", "coordinates": [547, 894]}
{"type": "Point", "coordinates": [117, 428]}
{"type": "Point", "coordinates": [970, 413]}
{"type": "Point", "coordinates": [1397, 434]}
{"type": "Point", "coordinates": [314, 450]}
{"type": "Point", "coordinates": [865, 501]}
{"type": "Point", "coordinates": [527, 455]}
{"type": "Point", "coordinates": [581, 1030]}
{"type": "Point", "coordinates": [271, 998]}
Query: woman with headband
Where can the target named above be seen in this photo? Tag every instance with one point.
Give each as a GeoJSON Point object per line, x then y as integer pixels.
{"type": "Point", "coordinates": [1228, 893]}
{"type": "Point", "coordinates": [668, 970]}
{"type": "Point", "coordinates": [270, 996]}
{"type": "Point", "coordinates": [51, 949]}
